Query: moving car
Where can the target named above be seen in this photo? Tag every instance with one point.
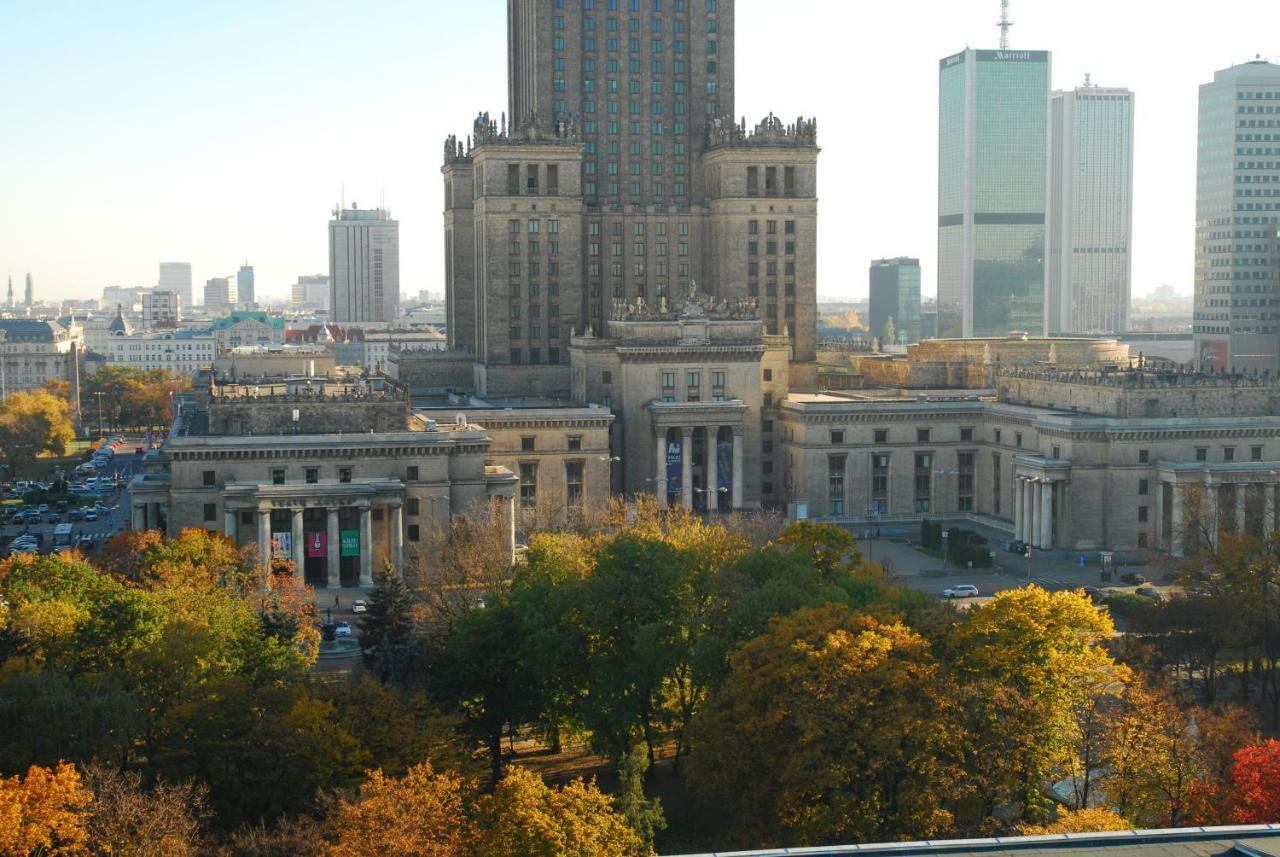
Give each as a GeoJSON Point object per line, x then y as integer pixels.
{"type": "Point", "coordinates": [91, 515]}
{"type": "Point", "coordinates": [964, 590]}
{"type": "Point", "coordinates": [359, 606]}
{"type": "Point", "coordinates": [342, 629]}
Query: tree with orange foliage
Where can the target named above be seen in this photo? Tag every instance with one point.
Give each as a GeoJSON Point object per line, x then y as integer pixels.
{"type": "Point", "coordinates": [1256, 777]}
{"type": "Point", "coordinates": [123, 552]}
{"type": "Point", "coordinates": [523, 816]}
{"type": "Point", "coordinates": [43, 813]}
{"type": "Point", "coordinates": [422, 814]}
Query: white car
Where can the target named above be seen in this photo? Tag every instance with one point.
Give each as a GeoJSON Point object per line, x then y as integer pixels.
{"type": "Point", "coordinates": [359, 606]}
{"type": "Point", "coordinates": [342, 629]}
{"type": "Point", "coordinates": [964, 590]}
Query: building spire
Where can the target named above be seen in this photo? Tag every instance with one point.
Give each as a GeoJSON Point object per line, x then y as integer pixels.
{"type": "Point", "coordinates": [10, 298]}
{"type": "Point", "coordinates": [1004, 25]}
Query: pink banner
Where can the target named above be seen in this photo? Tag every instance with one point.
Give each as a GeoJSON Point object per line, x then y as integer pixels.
{"type": "Point", "coordinates": [318, 544]}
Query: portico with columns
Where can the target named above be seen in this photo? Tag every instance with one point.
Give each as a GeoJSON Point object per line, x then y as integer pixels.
{"type": "Point", "coordinates": [698, 454]}
{"type": "Point", "coordinates": [1041, 491]}
{"type": "Point", "coordinates": [1197, 502]}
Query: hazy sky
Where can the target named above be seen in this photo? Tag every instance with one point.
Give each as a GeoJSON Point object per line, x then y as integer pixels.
{"type": "Point", "coordinates": [138, 132]}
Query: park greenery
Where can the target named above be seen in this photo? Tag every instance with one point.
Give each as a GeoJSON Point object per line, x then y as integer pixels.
{"type": "Point", "coordinates": [738, 685]}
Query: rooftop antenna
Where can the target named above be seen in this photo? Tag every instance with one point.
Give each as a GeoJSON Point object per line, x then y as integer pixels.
{"type": "Point", "coordinates": [1004, 25]}
{"type": "Point", "coordinates": [1088, 80]}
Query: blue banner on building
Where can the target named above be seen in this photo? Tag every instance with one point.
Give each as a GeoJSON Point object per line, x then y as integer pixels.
{"type": "Point", "coordinates": [673, 467]}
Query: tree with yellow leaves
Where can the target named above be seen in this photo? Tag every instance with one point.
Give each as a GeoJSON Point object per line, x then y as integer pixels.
{"type": "Point", "coordinates": [523, 816]}
{"type": "Point", "coordinates": [32, 422]}
{"type": "Point", "coordinates": [43, 813]}
{"type": "Point", "coordinates": [1034, 667]}
{"type": "Point", "coordinates": [1090, 820]}
{"type": "Point", "coordinates": [422, 814]}
{"type": "Point", "coordinates": [832, 726]}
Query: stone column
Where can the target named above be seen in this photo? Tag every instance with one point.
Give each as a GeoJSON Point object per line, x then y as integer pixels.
{"type": "Point", "coordinates": [264, 538]}
{"type": "Point", "coordinates": [686, 466]}
{"type": "Point", "coordinates": [1159, 522]}
{"type": "Point", "coordinates": [366, 546]}
{"type": "Point", "coordinates": [1269, 509]}
{"type": "Point", "coordinates": [511, 526]}
{"type": "Point", "coordinates": [299, 550]}
{"type": "Point", "coordinates": [1033, 500]}
{"type": "Point", "coordinates": [139, 518]}
{"type": "Point", "coordinates": [736, 488]}
{"type": "Point", "coordinates": [1211, 499]}
{"type": "Point", "coordinates": [713, 465]}
{"type": "Point", "coordinates": [1242, 490]}
{"type": "Point", "coordinates": [334, 569]}
{"type": "Point", "coordinates": [660, 472]}
{"type": "Point", "coordinates": [397, 538]}
{"type": "Point", "coordinates": [229, 524]}
{"type": "Point", "coordinates": [1046, 515]}
{"type": "Point", "coordinates": [1019, 509]}
{"type": "Point", "coordinates": [1175, 521]}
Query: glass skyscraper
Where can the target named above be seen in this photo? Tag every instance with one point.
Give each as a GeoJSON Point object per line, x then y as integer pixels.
{"type": "Point", "coordinates": [992, 183]}
{"type": "Point", "coordinates": [895, 294]}
{"type": "Point", "coordinates": [1237, 212]}
{"type": "Point", "coordinates": [1090, 218]}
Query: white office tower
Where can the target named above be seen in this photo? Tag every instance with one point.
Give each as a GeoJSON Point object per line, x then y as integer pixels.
{"type": "Point", "coordinates": [176, 277]}
{"type": "Point", "coordinates": [1090, 213]}
{"type": "Point", "coordinates": [364, 266]}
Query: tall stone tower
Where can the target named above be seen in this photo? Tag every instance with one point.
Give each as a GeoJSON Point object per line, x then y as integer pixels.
{"type": "Point", "coordinates": [622, 139]}
{"type": "Point", "coordinates": [29, 298]}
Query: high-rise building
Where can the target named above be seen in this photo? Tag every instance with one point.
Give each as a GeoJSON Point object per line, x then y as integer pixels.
{"type": "Point", "coordinates": [176, 277]}
{"type": "Point", "coordinates": [9, 299]}
{"type": "Point", "coordinates": [161, 309]}
{"type": "Point", "coordinates": [29, 297]}
{"type": "Point", "coordinates": [1090, 214]}
{"type": "Point", "coordinates": [311, 291]}
{"type": "Point", "coordinates": [364, 265]}
{"type": "Point", "coordinates": [220, 294]}
{"type": "Point", "coordinates": [992, 179]}
{"type": "Point", "coordinates": [895, 300]}
{"type": "Point", "coordinates": [622, 182]}
{"type": "Point", "coordinates": [244, 286]}
{"type": "Point", "coordinates": [1237, 309]}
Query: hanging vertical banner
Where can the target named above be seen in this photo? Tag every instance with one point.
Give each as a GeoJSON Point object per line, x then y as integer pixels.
{"type": "Point", "coordinates": [350, 543]}
{"type": "Point", "coordinates": [724, 464]}
{"type": "Point", "coordinates": [673, 467]}
{"type": "Point", "coordinates": [282, 545]}
{"type": "Point", "coordinates": [318, 545]}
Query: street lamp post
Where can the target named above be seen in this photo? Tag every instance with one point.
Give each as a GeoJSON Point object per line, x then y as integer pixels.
{"type": "Point", "coordinates": [101, 429]}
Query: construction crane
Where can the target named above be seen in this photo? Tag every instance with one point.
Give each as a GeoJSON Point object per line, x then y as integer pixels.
{"type": "Point", "coordinates": [1004, 25]}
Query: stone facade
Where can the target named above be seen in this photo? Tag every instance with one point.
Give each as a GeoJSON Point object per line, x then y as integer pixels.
{"type": "Point", "coordinates": [38, 351]}
{"type": "Point", "coordinates": [308, 406]}
{"type": "Point", "coordinates": [431, 372]}
{"type": "Point", "coordinates": [674, 381]}
{"type": "Point", "coordinates": [1049, 476]}
{"type": "Point", "coordinates": [651, 181]}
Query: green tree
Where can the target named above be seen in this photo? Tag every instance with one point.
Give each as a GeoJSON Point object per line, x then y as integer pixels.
{"type": "Point", "coordinates": [890, 332]}
{"type": "Point", "coordinates": [387, 639]}
{"type": "Point", "coordinates": [832, 726]}
{"type": "Point", "coordinates": [33, 422]}
{"type": "Point", "coordinates": [643, 815]}
{"type": "Point", "coordinates": [828, 547]}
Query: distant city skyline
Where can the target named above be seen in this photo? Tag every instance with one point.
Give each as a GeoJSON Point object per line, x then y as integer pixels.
{"type": "Point", "coordinates": [127, 115]}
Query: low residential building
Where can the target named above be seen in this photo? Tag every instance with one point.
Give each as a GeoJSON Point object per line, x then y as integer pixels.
{"type": "Point", "coordinates": [38, 351]}
{"type": "Point", "coordinates": [324, 471]}
{"type": "Point", "coordinates": [378, 344]}
{"type": "Point", "coordinates": [180, 352]}
{"type": "Point", "coordinates": [254, 361]}
{"type": "Point", "coordinates": [161, 309]}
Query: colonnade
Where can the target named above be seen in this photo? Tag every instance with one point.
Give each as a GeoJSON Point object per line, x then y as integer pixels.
{"type": "Point", "coordinates": [333, 539]}
{"type": "Point", "coordinates": [686, 466]}
{"type": "Point", "coordinates": [1034, 510]}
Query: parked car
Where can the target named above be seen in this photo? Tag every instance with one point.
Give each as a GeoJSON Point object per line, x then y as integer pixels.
{"type": "Point", "coordinates": [91, 515]}
{"type": "Point", "coordinates": [1148, 592]}
{"type": "Point", "coordinates": [1132, 577]}
{"type": "Point", "coordinates": [359, 606]}
{"type": "Point", "coordinates": [964, 590]}
{"type": "Point", "coordinates": [342, 629]}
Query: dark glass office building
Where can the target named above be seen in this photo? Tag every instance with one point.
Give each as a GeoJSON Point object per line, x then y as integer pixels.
{"type": "Point", "coordinates": [993, 111]}
{"type": "Point", "coordinates": [895, 295]}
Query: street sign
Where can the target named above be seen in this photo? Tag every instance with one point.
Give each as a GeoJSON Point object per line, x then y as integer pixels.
{"type": "Point", "coordinates": [350, 543]}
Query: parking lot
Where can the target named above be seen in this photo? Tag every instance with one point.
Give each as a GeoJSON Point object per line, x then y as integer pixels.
{"type": "Point", "coordinates": [109, 504]}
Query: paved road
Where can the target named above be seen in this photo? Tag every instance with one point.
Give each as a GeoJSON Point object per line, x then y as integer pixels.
{"type": "Point", "coordinates": [127, 464]}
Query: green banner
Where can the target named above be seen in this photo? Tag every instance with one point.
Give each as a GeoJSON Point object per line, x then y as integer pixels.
{"type": "Point", "coordinates": [351, 543]}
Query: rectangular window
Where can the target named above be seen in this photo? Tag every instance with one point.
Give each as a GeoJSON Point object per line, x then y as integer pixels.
{"type": "Point", "coordinates": [1144, 456]}
{"type": "Point", "coordinates": [528, 483]}
{"type": "Point", "coordinates": [1228, 453]}
{"type": "Point", "coordinates": [922, 435]}
{"type": "Point", "coordinates": [837, 436]}
{"type": "Point", "coordinates": [573, 483]}
{"type": "Point", "coordinates": [995, 483]}
{"type": "Point", "coordinates": [277, 476]}
{"type": "Point", "coordinates": [526, 443]}
{"type": "Point", "coordinates": [1017, 439]}
{"type": "Point", "coordinates": [209, 478]}
{"type": "Point", "coordinates": [923, 480]}
{"type": "Point", "coordinates": [997, 435]}
{"type": "Point", "coordinates": [966, 434]}
{"type": "Point", "coordinates": [1255, 453]}
{"type": "Point", "coordinates": [1142, 514]}
{"type": "Point", "coordinates": [964, 481]}
{"type": "Point", "coordinates": [575, 442]}
{"type": "Point", "coordinates": [881, 435]}
{"type": "Point", "coordinates": [835, 484]}
{"type": "Point", "coordinates": [1202, 453]}
{"type": "Point", "coordinates": [1143, 487]}
{"type": "Point", "coordinates": [344, 474]}
{"type": "Point", "coordinates": [313, 475]}
{"type": "Point", "coordinates": [211, 511]}
{"type": "Point", "coordinates": [411, 506]}
{"type": "Point", "coordinates": [415, 532]}
{"type": "Point", "coordinates": [880, 484]}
